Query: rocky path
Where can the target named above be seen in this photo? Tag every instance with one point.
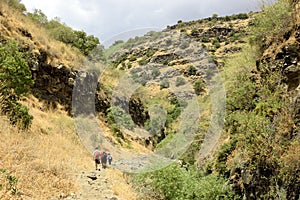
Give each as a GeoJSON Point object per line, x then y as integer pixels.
{"type": "Point", "coordinates": [106, 184]}
{"type": "Point", "coordinates": [95, 185]}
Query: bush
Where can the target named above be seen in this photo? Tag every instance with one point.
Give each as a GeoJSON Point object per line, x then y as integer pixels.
{"type": "Point", "coordinates": [205, 39]}
{"type": "Point", "coordinates": [132, 58]}
{"type": "Point", "coordinates": [174, 182]}
{"type": "Point", "coordinates": [216, 43]}
{"type": "Point", "coordinates": [38, 16]}
{"type": "Point", "coordinates": [180, 81]}
{"type": "Point", "coordinates": [15, 83]}
{"type": "Point", "coordinates": [199, 86]}
{"type": "Point", "coordinates": [61, 32]}
{"type": "Point", "coordinates": [155, 72]}
{"type": "Point", "coordinates": [116, 115]}
{"type": "Point", "coordinates": [191, 70]}
{"type": "Point", "coordinates": [143, 61]}
{"type": "Point", "coordinates": [164, 84]}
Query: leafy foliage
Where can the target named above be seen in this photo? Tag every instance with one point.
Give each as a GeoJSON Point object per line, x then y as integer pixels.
{"type": "Point", "coordinates": [180, 81]}
{"type": "Point", "coordinates": [255, 120]}
{"type": "Point", "coordinates": [9, 181]}
{"type": "Point", "coordinates": [175, 182]}
{"type": "Point", "coordinates": [38, 16]}
{"type": "Point", "coordinates": [15, 83]}
{"type": "Point", "coordinates": [61, 32]}
{"type": "Point", "coordinates": [164, 84]}
{"type": "Point", "coordinates": [199, 86]}
{"type": "Point", "coordinates": [116, 115]}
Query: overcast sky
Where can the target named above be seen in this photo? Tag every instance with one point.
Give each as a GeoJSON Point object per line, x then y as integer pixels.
{"type": "Point", "coordinates": [108, 18]}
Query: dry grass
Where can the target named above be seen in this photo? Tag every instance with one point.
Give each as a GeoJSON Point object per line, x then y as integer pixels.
{"type": "Point", "coordinates": [59, 53]}
{"type": "Point", "coordinates": [119, 187]}
{"type": "Point", "coordinates": [45, 159]}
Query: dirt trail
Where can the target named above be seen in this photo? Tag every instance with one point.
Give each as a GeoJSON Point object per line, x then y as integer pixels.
{"type": "Point", "coordinates": [106, 184]}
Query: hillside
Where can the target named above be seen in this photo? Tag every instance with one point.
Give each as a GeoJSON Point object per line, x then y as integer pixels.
{"type": "Point", "coordinates": [41, 156]}
{"type": "Point", "coordinates": [205, 109]}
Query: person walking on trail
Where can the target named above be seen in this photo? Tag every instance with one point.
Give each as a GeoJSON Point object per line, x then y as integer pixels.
{"type": "Point", "coordinates": [109, 158]}
{"type": "Point", "coordinates": [96, 155]}
{"type": "Point", "coordinates": [103, 159]}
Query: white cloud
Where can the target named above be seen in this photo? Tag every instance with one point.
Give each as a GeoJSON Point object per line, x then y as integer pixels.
{"type": "Point", "coordinates": [105, 18]}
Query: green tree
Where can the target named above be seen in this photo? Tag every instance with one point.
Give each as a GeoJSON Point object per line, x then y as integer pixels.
{"type": "Point", "coordinates": [15, 83]}
{"type": "Point", "coordinates": [85, 43]}
{"type": "Point", "coordinates": [38, 16]}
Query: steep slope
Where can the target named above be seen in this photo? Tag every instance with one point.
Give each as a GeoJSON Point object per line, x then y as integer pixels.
{"type": "Point", "coordinates": [46, 160]}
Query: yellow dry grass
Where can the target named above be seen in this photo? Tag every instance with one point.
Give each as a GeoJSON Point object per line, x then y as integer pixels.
{"type": "Point", "coordinates": [45, 159]}
{"type": "Point", "coordinates": [119, 187]}
{"type": "Point", "coordinates": [59, 53]}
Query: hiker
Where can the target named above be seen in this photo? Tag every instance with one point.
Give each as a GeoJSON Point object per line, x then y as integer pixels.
{"type": "Point", "coordinates": [96, 156]}
{"type": "Point", "coordinates": [109, 158]}
{"type": "Point", "coordinates": [103, 159]}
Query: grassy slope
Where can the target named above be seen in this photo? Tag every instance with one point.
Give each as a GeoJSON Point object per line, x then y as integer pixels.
{"type": "Point", "coordinates": [45, 160]}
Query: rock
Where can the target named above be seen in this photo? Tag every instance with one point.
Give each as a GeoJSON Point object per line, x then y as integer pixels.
{"type": "Point", "coordinates": [93, 177]}
{"type": "Point", "coordinates": [62, 196]}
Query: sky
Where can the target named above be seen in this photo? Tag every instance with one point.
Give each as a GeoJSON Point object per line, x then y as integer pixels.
{"type": "Point", "coordinates": [110, 20]}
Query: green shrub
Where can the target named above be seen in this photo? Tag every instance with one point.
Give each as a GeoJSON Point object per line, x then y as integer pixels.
{"type": "Point", "coordinates": [117, 115]}
{"type": "Point", "coordinates": [143, 61]}
{"type": "Point", "coordinates": [150, 53]}
{"type": "Point", "coordinates": [180, 81]}
{"type": "Point", "coordinates": [155, 72]}
{"type": "Point", "coordinates": [132, 58]}
{"type": "Point", "coordinates": [216, 43]}
{"type": "Point", "coordinates": [164, 84]}
{"type": "Point", "coordinates": [199, 86]}
{"type": "Point", "coordinates": [176, 183]}
{"type": "Point", "coordinates": [38, 16]}
{"type": "Point", "coordinates": [15, 83]}
{"type": "Point", "coordinates": [224, 152]}
{"type": "Point", "coordinates": [205, 39]}
{"type": "Point", "coordinates": [191, 70]}
{"type": "Point", "coordinates": [11, 182]}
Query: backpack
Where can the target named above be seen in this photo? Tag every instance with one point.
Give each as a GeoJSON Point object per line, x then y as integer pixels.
{"type": "Point", "coordinates": [104, 154]}
{"type": "Point", "coordinates": [97, 155]}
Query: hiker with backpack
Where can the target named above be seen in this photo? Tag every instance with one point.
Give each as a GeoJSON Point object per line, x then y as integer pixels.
{"type": "Point", "coordinates": [103, 159]}
{"type": "Point", "coordinates": [96, 156]}
{"type": "Point", "coordinates": [109, 158]}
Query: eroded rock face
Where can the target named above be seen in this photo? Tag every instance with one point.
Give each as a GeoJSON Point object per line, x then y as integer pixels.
{"type": "Point", "coordinates": [60, 84]}
{"type": "Point", "coordinates": [138, 112]}
{"type": "Point", "coordinates": [53, 84]}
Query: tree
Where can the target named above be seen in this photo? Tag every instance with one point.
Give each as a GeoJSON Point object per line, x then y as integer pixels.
{"type": "Point", "coordinates": [85, 43]}
{"type": "Point", "coordinates": [15, 83]}
{"type": "Point", "coordinates": [38, 16]}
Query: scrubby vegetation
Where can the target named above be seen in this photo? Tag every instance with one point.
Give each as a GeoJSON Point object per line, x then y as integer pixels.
{"type": "Point", "coordinates": [15, 83]}
{"type": "Point", "coordinates": [175, 182]}
{"type": "Point", "coordinates": [61, 32]}
{"type": "Point", "coordinates": [255, 159]}
{"type": "Point", "coordinates": [258, 153]}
